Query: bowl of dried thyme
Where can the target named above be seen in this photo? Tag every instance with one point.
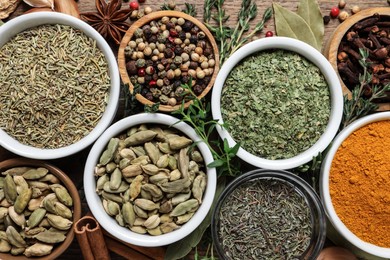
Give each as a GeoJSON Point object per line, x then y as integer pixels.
{"type": "Point", "coordinates": [354, 186]}
{"type": "Point", "coordinates": [268, 214]}
{"type": "Point", "coordinates": [146, 180]}
{"type": "Point", "coordinates": [60, 85]}
{"type": "Point", "coordinates": [280, 99]}
{"type": "Point", "coordinates": [167, 58]}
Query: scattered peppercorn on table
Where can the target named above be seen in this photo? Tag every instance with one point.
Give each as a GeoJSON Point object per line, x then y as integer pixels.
{"type": "Point", "coordinates": [74, 165]}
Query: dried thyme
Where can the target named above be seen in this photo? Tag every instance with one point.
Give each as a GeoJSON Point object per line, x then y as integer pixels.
{"type": "Point", "coordinates": [54, 86]}
{"type": "Point", "coordinates": [276, 103]}
{"type": "Point", "coordinates": [265, 219]}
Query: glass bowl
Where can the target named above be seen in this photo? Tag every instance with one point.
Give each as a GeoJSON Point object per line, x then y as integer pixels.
{"type": "Point", "coordinates": [302, 189]}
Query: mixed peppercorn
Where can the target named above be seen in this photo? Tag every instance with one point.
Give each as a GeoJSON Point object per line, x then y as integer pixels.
{"type": "Point", "coordinates": [167, 53]}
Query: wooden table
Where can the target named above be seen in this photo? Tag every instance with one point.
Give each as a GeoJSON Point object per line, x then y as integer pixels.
{"type": "Point", "coordinates": [74, 165]}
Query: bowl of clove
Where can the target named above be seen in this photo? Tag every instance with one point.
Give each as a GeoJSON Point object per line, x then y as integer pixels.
{"type": "Point", "coordinates": [280, 99]}
{"type": "Point", "coordinates": [364, 36]}
{"type": "Point", "coordinates": [60, 85]}
{"type": "Point", "coordinates": [146, 180]}
{"type": "Point", "coordinates": [168, 58]}
{"type": "Point", "coordinates": [38, 208]}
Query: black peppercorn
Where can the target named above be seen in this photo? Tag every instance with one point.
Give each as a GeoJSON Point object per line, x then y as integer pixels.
{"type": "Point", "coordinates": [148, 33]}
{"type": "Point", "coordinates": [326, 19]}
{"type": "Point", "coordinates": [169, 45]}
{"type": "Point", "coordinates": [193, 65]}
{"type": "Point", "coordinates": [144, 91]}
{"type": "Point", "coordinates": [170, 25]}
{"type": "Point", "coordinates": [155, 76]}
{"type": "Point", "coordinates": [131, 67]}
{"type": "Point", "coordinates": [149, 96]}
{"type": "Point", "coordinates": [176, 84]}
{"type": "Point", "coordinates": [201, 44]}
{"type": "Point", "coordinates": [148, 78]}
{"type": "Point", "coordinates": [152, 38]}
{"type": "Point", "coordinates": [195, 29]}
{"type": "Point", "coordinates": [207, 52]}
{"type": "Point", "coordinates": [178, 50]}
{"type": "Point", "coordinates": [149, 63]}
{"type": "Point", "coordinates": [182, 35]}
{"type": "Point", "coordinates": [187, 26]}
{"type": "Point", "coordinates": [168, 53]}
{"type": "Point", "coordinates": [193, 38]}
{"type": "Point", "coordinates": [197, 90]}
{"type": "Point", "coordinates": [185, 78]}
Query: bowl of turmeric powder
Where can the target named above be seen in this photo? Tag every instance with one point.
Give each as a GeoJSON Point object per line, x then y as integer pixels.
{"type": "Point", "coordinates": [355, 186]}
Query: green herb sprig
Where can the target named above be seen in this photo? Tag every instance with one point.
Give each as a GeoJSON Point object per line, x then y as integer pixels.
{"type": "Point", "coordinates": [359, 106]}
{"type": "Point", "coordinates": [197, 115]}
{"type": "Point", "coordinates": [229, 40]}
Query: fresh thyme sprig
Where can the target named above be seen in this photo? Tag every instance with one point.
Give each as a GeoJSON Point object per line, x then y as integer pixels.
{"type": "Point", "coordinates": [228, 39]}
{"type": "Point", "coordinates": [359, 106]}
{"type": "Point", "coordinates": [197, 115]}
{"type": "Point", "coordinates": [189, 9]}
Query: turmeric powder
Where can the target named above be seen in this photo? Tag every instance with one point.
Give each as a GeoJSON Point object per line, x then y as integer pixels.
{"type": "Point", "coordinates": [360, 183]}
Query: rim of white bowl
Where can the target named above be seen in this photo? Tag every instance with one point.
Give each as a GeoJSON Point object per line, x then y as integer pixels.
{"type": "Point", "coordinates": [26, 21]}
{"type": "Point", "coordinates": [324, 186]}
{"type": "Point", "coordinates": [109, 223]}
{"type": "Point", "coordinates": [317, 59]}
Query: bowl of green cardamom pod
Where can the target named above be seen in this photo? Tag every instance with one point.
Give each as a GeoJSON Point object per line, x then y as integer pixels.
{"type": "Point", "coordinates": [146, 180]}
{"type": "Point", "coordinates": [38, 206]}
{"type": "Point", "coordinates": [60, 85]}
{"type": "Point", "coordinates": [280, 99]}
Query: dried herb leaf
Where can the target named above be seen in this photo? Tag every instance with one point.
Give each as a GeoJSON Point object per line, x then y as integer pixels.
{"type": "Point", "coordinates": [184, 246]}
{"type": "Point", "coordinates": [290, 24]}
{"type": "Point", "coordinates": [310, 11]}
{"type": "Point", "coordinates": [40, 3]}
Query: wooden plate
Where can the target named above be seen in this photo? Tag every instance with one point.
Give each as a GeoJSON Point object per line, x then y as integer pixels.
{"type": "Point", "coordinates": [146, 19]}
{"type": "Point", "coordinates": [331, 48]}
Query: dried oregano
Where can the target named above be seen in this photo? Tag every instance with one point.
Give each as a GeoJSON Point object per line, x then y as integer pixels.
{"type": "Point", "coordinates": [276, 103]}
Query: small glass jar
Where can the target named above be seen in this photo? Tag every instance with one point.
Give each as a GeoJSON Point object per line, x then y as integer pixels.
{"type": "Point", "coordinates": [317, 213]}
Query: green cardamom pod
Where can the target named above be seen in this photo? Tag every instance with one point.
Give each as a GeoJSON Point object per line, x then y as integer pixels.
{"type": "Point", "coordinates": [36, 217]}
{"type": "Point", "coordinates": [152, 151]}
{"type": "Point", "coordinates": [34, 174]}
{"type": "Point", "coordinates": [10, 189]}
{"type": "Point", "coordinates": [108, 154]}
{"type": "Point", "coordinates": [128, 213]}
{"type": "Point", "coordinates": [179, 142]}
{"type": "Point", "coordinates": [62, 194]}
{"type": "Point", "coordinates": [140, 137]}
{"type": "Point", "coordinates": [50, 237]}
{"type": "Point", "coordinates": [22, 200]}
{"type": "Point", "coordinates": [59, 222]}
{"type": "Point", "coordinates": [38, 249]}
{"type": "Point", "coordinates": [184, 207]}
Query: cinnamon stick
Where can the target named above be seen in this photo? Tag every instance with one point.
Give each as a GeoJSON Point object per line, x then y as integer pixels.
{"type": "Point", "coordinates": [91, 240]}
{"type": "Point", "coordinates": [124, 251]}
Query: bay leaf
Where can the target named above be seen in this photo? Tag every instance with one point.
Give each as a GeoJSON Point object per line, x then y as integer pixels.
{"type": "Point", "coordinates": [290, 24]}
{"type": "Point", "coordinates": [184, 246]}
{"type": "Point", "coordinates": [310, 11]}
{"type": "Point", "coordinates": [40, 3]}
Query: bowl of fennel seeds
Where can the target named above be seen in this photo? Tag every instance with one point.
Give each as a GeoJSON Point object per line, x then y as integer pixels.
{"type": "Point", "coordinates": [59, 85]}
{"type": "Point", "coordinates": [280, 99]}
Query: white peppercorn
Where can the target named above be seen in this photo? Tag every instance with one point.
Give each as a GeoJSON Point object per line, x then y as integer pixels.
{"type": "Point", "coordinates": [199, 50]}
{"type": "Point", "coordinates": [161, 47]}
{"type": "Point", "coordinates": [192, 73]}
{"type": "Point", "coordinates": [165, 33]}
{"type": "Point", "coordinates": [185, 57]}
{"type": "Point", "coordinates": [134, 55]}
{"type": "Point", "coordinates": [152, 45]}
{"type": "Point", "coordinates": [178, 41]}
{"type": "Point", "coordinates": [141, 46]}
{"type": "Point", "coordinates": [206, 72]}
{"type": "Point", "coordinates": [134, 14]}
{"type": "Point", "coordinates": [132, 44]}
{"type": "Point", "coordinates": [165, 19]}
{"type": "Point", "coordinates": [355, 9]}
{"type": "Point", "coordinates": [156, 52]}
{"type": "Point", "coordinates": [200, 74]}
{"type": "Point", "coordinates": [195, 56]}
{"type": "Point", "coordinates": [148, 51]}
{"type": "Point", "coordinates": [148, 10]}
{"type": "Point", "coordinates": [174, 20]}
{"type": "Point", "coordinates": [141, 80]}
{"type": "Point", "coordinates": [178, 28]}
{"type": "Point", "coordinates": [204, 65]}
{"type": "Point", "coordinates": [211, 62]}
{"type": "Point", "coordinates": [163, 27]}
{"type": "Point", "coordinates": [177, 73]}
{"type": "Point", "coordinates": [172, 101]}
{"type": "Point", "coordinates": [202, 58]}
{"type": "Point", "coordinates": [170, 74]}
{"type": "Point", "coordinates": [154, 29]}
{"type": "Point", "coordinates": [187, 41]}
{"type": "Point", "coordinates": [140, 55]}
{"type": "Point", "coordinates": [160, 82]}
{"type": "Point", "coordinates": [154, 58]}
{"type": "Point", "coordinates": [138, 40]}
{"type": "Point", "coordinates": [161, 55]}
{"type": "Point", "coordinates": [180, 21]}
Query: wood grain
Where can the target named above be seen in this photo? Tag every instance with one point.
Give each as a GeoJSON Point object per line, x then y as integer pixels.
{"type": "Point", "coordinates": [147, 19]}
{"type": "Point", "coordinates": [74, 165]}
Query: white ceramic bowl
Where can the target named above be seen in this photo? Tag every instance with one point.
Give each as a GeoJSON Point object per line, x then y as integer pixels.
{"type": "Point", "coordinates": [23, 22]}
{"type": "Point", "coordinates": [335, 94]}
{"type": "Point", "coordinates": [109, 223]}
{"type": "Point", "coordinates": [373, 250]}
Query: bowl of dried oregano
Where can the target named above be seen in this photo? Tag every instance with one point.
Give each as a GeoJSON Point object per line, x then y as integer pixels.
{"type": "Point", "coordinates": [280, 99]}
{"type": "Point", "coordinates": [355, 186]}
{"type": "Point", "coordinates": [60, 85]}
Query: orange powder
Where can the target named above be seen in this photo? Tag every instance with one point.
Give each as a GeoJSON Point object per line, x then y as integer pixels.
{"type": "Point", "coordinates": [360, 183]}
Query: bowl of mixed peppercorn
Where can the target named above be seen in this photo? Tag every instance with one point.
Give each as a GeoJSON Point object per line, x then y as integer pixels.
{"type": "Point", "coordinates": [168, 58]}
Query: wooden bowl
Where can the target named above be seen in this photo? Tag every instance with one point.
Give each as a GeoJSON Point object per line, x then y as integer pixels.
{"type": "Point", "coordinates": [154, 16]}
{"type": "Point", "coordinates": [64, 180]}
{"type": "Point", "coordinates": [331, 48]}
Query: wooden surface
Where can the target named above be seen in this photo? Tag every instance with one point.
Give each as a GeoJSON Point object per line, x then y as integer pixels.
{"type": "Point", "coordinates": [74, 165]}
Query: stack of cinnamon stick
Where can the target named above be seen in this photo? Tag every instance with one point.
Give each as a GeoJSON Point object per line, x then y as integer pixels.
{"type": "Point", "coordinates": [96, 243]}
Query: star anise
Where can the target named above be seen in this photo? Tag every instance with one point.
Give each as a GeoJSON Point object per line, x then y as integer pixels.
{"type": "Point", "coordinates": [109, 20]}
